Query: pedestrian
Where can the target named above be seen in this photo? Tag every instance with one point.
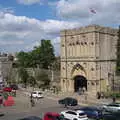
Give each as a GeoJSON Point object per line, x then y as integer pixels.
{"type": "Point", "coordinates": [32, 101]}
{"type": "Point", "coordinates": [65, 104]}
{"type": "Point", "coordinates": [98, 95]}
{"type": "Point", "coordinates": [114, 99]}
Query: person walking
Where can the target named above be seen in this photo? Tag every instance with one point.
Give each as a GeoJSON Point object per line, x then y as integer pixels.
{"type": "Point", "coordinates": [32, 102]}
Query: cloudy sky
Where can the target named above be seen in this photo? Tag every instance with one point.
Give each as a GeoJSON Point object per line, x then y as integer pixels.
{"type": "Point", "coordinates": [23, 23]}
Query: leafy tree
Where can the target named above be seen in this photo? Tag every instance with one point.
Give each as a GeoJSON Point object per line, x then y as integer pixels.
{"type": "Point", "coordinates": [23, 59]}
{"type": "Point", "coordinates": [42, 56]}
{"type": "Point", "coordinates": [46, 53]}
{"type": "Point", "coordinates": [32, 81]}
{"type": "Point", "coordinates": [23, 74]}
{"type": "Point", "coordinates": [118, 53]}
{"type": "Point", "coordinates": [43, 80]}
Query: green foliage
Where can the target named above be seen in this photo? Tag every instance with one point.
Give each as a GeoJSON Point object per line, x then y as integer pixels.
{"type": "Point", "coordinates": [47, 53]}
{"type": "Point", "coordinates": [42, 56]}
{"type": "Point", "coordinates": [23, 74]}
{"type": "Point", "coordinates": [32, 81]}
{"type": "Point", "coordinates": [43, 80]}
{"type": "Point", "coordinates": [117, 95]}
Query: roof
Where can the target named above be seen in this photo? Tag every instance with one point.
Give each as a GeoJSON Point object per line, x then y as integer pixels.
{"type": "Point", "coordinates": [53, 113]}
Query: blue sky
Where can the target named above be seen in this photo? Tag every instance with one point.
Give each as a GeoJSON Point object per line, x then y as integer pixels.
{"type": "Point", "coordinates": [23, 23]}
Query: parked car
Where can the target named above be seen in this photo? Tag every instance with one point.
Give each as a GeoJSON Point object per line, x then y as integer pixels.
{"type": "Point", "coordinates": [31, 118]}
{"type": "Point", "coordinates": [52, 116]}
{"type": "Point", "coordinates": [7, 89]}
{"type": "Point", "coordinates": [113, 107]}
{"type": "Point", "coordinates": [92, 112]}
{"type": "Point", "coordinates": [68, 101]}
{"type": "Point", "coordinates": [111, 116]}
{"type": "Point", "coordinates": [37, 94]}
{"type": "Point", "coordinates": [14, 86]}
{"type": "Point", "coordinates": [74, 115]}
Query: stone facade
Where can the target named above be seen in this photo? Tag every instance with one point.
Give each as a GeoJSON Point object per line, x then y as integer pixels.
{"type": "Point", "coordinates": [5, 68]}
{"type": "Point", "coordinates": [89, 52]}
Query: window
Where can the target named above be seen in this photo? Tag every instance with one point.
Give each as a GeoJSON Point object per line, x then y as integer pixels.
{"type": "Point", "coordinates": [81, 114]}
{"type": "Point", "coordinates": [34, 93]}
{"type": "Point", "coordinates": [71, 112]}
{"type": "Point", "coordinates": [50, 116]}
{"type": "Point", "coordinates": [92, 43]}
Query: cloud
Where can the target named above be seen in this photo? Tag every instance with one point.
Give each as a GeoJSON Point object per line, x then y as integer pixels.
{"type": "Point", "coordinates": [23, 33]}
{"type": "Point", "coordinates": [79, 10]}
{"type": "Point", "coordinates": [29, 2]}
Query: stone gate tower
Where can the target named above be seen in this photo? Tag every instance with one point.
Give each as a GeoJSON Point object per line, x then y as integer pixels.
{"type": "Point", "coordinates": [88, 58]}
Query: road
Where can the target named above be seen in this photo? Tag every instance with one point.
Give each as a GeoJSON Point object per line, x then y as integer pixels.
{"type": "Point", "coordinates": [22, 108]}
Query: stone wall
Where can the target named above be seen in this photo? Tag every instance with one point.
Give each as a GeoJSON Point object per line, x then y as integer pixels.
{"type": "Point", "coordinates": [55, 76]}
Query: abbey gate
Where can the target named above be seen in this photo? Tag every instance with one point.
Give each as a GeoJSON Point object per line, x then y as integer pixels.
{"type": "Point", "coordinates": [88, 58]}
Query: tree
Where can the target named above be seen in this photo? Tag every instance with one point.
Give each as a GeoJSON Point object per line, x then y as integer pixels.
{"type": "Point", "coordinates": [32, 81]}
{"type": "Point", "coordinates": [118, 54]}
{"type": "Point", "coordinates": [42, 56]}
{"type": "Point", "coordinates": [23, 59]}
{"type": "Point", "coordinates": [46, 53]}
{"type": "Point", "coordinates": [43, 79]}
{"type": "Point", "coordinates": [23, 74]}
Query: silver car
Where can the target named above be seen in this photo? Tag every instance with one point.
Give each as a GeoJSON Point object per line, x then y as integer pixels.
{"type": "Point", "coordinates": [113, 107]}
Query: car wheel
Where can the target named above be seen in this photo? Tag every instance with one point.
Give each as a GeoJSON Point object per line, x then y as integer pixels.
{"type": "Point", "coordinates": [75, 119]}
{"type": "Point", "coordinates": [104, 110]}
{"type": "Point", "coordinates": [62, 115]}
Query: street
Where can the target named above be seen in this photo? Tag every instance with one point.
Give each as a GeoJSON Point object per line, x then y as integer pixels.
{"type": "Point", "coordinates": [23, 108]}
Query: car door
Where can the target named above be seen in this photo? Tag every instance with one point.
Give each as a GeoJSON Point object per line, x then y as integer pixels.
{"type": "Point", "coordinates": [71, 115]}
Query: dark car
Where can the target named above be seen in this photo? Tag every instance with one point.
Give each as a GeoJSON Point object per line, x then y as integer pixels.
{"type": "Point", "coordinates": [92, 112]}
{"type": "Point", "coordinates": [111, 116]}
{"type": "Point", "coordinates": [31, 118]}
{"type": "Point", "coordinates": [14, 87]}
{"type": "Point", "coordinates": [68, 101]}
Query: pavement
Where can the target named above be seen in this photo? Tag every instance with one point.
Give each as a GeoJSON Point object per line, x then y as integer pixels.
{"type": "Point", "coordinates": [22, 107]}
{"type": "Point", "coordinates": [84, 100]}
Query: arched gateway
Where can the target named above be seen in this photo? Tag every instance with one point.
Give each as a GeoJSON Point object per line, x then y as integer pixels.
{"type": "Point", "coordinates": [80, 82]}
{"type": "Point", "coordinates": [78, 74]}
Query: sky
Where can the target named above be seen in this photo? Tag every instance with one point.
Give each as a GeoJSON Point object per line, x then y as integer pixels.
{"type": "Point", "coordinates": [23, 23]}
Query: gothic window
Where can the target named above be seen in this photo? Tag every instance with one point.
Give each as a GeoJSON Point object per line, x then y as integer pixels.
{"type": "Point", "coordinates": [81, 43]}
{"type": "Point", "coordinates": [62, 45]}
{"type": "Point", "coordinates": [63, 68]}
{"type": "Point", "coordinates": [77, 42]}
{"type": "Point", "coordinates": [85, 43]}
{"type": "Point", "coordinates": [92, 83]}
{"type": "Point", "coordinates": [92, 69]}
{"type": "Point", "coordinates": [92, 43]}
{"type": "Point", "coordinates": [72, 37]}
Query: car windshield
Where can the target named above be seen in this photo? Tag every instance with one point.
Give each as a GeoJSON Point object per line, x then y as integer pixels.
{"type": "Point", "coordinates": [33, 92]}
{"type": "Point", "coordinates": [39, 93]}
{"type": "Point", "coordinates": [81, 114]}
{"type": "Point", "coordinates": [59, 117]}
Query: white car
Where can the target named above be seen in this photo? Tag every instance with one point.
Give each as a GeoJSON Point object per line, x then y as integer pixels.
{"type": "Point", "coordinates": [113, 107]}
{"type": "Point", "coordinates": [74, 115]}
{"type": "Point", "coordinates": [37, 94]}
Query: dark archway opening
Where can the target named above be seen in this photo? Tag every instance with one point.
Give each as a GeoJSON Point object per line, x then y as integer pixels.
{"type": "Point", "coordinates": [80, 82]}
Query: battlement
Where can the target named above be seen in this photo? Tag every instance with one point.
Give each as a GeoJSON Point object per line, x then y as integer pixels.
{"type": "Point", "coordinates": [88, 29]}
